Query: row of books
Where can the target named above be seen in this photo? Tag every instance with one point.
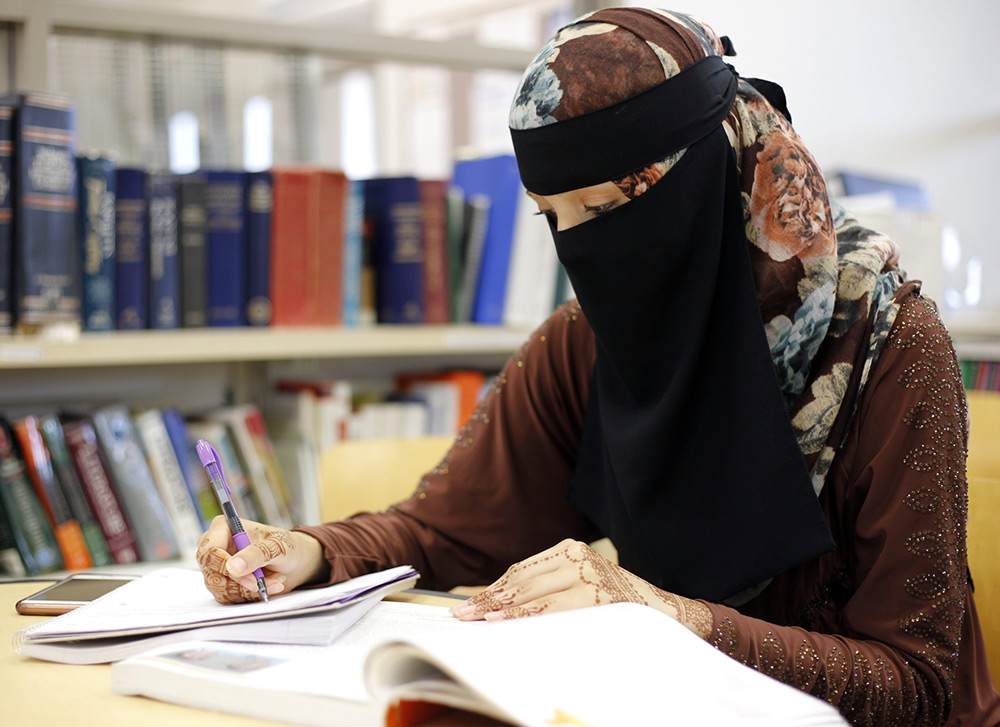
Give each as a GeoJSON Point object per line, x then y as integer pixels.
{"type": "Point", "coordinates": [87, 242]}
{"type": "Point", "coordinates": [980, 375]}
{"type": "Point", "coordinates": [117, 486]}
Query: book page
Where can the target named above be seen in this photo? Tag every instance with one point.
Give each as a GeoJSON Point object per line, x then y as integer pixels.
{"type": "Point", "coordinates": [175, 598]}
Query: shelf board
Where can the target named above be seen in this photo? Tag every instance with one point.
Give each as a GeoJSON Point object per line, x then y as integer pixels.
{"type": "Point", "coordinates": [204, 345]}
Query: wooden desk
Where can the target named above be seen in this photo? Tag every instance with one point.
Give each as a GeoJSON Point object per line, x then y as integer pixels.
{"type": "Point", "coordinates": [37, 693]}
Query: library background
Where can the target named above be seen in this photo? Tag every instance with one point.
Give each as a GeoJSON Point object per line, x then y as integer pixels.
{"type": "Point", "coordinates": [278, 224]}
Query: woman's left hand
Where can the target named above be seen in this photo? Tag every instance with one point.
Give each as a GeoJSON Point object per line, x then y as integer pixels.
{"type": "Point", "coordinates": [573, 575]}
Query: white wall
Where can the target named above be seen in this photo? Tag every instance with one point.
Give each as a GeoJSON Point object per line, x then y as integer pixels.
{"type": "Point", "coordinates": [906, 88]}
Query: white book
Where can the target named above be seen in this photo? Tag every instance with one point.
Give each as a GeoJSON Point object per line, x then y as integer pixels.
{"type": "Point", "coordinates": [169, 478]}
{"type": "Point", "coordinates": [605, 666]}
{"type": "Point", "coordinates": [534, 266]}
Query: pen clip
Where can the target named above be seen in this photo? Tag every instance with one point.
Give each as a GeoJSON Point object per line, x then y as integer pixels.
{"type": "Point", "coordinates": [208, 455]}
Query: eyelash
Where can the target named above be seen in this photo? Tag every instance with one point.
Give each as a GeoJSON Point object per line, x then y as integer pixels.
{"type": "Point", "coordinates": [598, 210]}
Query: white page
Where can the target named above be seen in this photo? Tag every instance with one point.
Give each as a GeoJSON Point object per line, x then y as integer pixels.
{"type": "Point", "coordinates": [174, 598]}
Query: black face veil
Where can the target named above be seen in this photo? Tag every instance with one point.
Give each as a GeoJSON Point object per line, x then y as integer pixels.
{"type": "Point", "coordinates": [687, 460]}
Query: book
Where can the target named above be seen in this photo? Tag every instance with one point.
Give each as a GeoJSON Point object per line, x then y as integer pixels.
{"type": "Point", "coordinates": [476, 219]}
{"type": "Point", "coordinates": [328, 283]}
{"type": "Point", "coordinates": [45, 272]}
{"type": "Point", "coordinates": [38, 465]}
{"type": "Point", "coordinates": [131, 250]}
{"type": "Point", "coordinates": [455, 227]}
{"type": "Point", "coordinates": [226, 245]}
{"type": "Point", "coordinates": [394, 224]}
{"type": "Point", "coordinates": [76, 498]}
{"type": "Point", "coordinates": [195, 477]}
{"type": "Point", "coordinates": [534, 269]}
{"type": "Point", "coordinates": [169, 478]}
{"type": "Point", "coordinates": [354, 213]}
{"type": "Point", "coordinates": [400, 667]}
{"type": "Point", "coordinates": [164, 258]}
{"type": "Point", "coordinates": [194, 265]}
{"type": "Point", "coordinates": [134, 484]}
{"type": "Point", "coordinates": [220, 436]}
{"type": "Point", "coordinates": [90, 467]}
{"type": "Point", "coordinates": [436, 282]}
{"type": "Point", "coordinates": [260, 193]}
{"type": "Point", "coordinates": [469, 382]}
{"type": "Point", "coordinates": [291, 247]}
{"type": "Point", "coordinates": [175, 599]}
{"type": "Point", "coordinates": [96, 231]}
{"type": "Point", "coordinates": [10, 556]}
{"type": "Point", "coordinates": [497, 179]}
{"type": "Point", "coordinates": [6, 211]}
{"type": "Point", "coordinates": [30, 526]}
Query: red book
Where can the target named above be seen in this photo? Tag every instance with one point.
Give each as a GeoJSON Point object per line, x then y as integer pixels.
{"type": "Point", "coordinates": [293, 246]}
{"type": "Point", "coordinates": [81, 440]}
{"type": "Point", "coordinates": [69, 534]}
{"type": "Point", "coordinates": [437, 307]}
{"type": "Point", "coordinates": [328, 273]}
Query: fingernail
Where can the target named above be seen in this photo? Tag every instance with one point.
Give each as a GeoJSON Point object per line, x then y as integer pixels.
{"type": "Point", "coordinates": [276, 588]}
{"type": "Point", "coordinates": [460, 609]}
{"type": "Point", "coordinates": [236, 566]}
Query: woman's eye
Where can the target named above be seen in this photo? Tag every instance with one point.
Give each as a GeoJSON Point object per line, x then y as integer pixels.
{"type": "Point", "coordinates": [551, 214]}
{"type": "Point", "coordinates": [601, 209]}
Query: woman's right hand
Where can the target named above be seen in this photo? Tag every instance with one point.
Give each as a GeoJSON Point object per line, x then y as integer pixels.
{"type": "Point", "coordinates": [288, 560]}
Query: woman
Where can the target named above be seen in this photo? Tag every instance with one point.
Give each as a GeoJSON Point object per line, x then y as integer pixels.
{"type": "Point", "coordinates": [749, 399]}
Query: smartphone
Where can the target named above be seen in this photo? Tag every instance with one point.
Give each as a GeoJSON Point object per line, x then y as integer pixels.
{"type": "Point", "coordinates": [69, 593]}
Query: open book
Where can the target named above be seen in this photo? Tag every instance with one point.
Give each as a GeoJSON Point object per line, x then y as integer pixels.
{"type": "Point", "coordinates": [404, 664]}
{"type": "Point", "coordinates": [172, 604]}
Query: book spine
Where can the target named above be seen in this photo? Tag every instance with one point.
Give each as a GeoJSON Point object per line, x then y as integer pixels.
{"type": "Point", "coordinates": [260, 196]}
{"type": "Point", "coordinates": [455, 204]}
{"type": "Point", "coordinates": [435, 238]}
{"type": "Point", "coordinates": [164, 260]}
{"type": "Point", "coordinates": [191, 221]}
{"type": "Point", "coordinates": [291, 249]}
{"type": "Point", "coordinates": [206, 504]}
{"type": "Point", "coordinates": [88, 462]}
{"type": "Point", "coordinates": [37, 463]}
{"type": "Point", "coordinates": [32, 531]}
{"type": "Point", "coordinates": [6, 211]}
{"type": "Point", "coordinates": [226, 241]}
{"type": "Point", "coordinates": [394, 213]}
{"type": "Point", "coordinates": [330, 248]}
{"type": "Point", "coordinates": [133, 481]}
{"type": "Point", "coordinates": [96, 232]}
{"type": "Point", "coordinates": [477, 214]}
{"type": "Point", "coordinates": [10, 555]}
{"type": "Point", "coordinates": [131, 251]}
{"type": "Point", "coordinates": [46, 265]}
{"type": "Point", "coordinates": [354, 214]}
{"type": "Point", "coordinates": [272, 468]}
{"type": "Point", "coordinates": [221, 437]}
{"type": "Point", "coordinates": [55, 443]}
{"type": "Point", "coordinates": [168, 477]}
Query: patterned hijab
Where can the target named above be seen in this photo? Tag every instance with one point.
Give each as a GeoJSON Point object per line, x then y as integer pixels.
{"type": "Point", "coordinates": [633, 91]}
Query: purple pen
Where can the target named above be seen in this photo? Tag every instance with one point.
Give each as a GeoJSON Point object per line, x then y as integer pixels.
{"type": "Point", "coordinates": [216, 474]}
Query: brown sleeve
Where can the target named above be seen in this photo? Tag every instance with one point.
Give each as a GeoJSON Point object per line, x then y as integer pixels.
{"type": "Point", "coordinates": [890, 657]}
{"type": "Point", "coordinates": [499, 495]}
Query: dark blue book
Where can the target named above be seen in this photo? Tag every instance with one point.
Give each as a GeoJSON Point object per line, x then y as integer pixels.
{"type": "Point", "coordinates": [226, 242]}
{"type": "Point", "coordinates": [497, 179]}
{"type": "Point", "coordinates": [205, 502]}
{"type": "Point", "coordinates": [394, 221]}
{"type": "Point", "coordinates": [131, 250]}
{"type": "Point", "coordinates": [45, 280]}
{"type": "Point", "coordinates": [164, 260]}
{"type": "Point", "coordinates": [6, 210]}
{"type": "Point", "coordinates": [194, 264]}
{"type": "Point", "coordinates": [96, 230]}
{"type": "Point", "coordinates": [260, 195]}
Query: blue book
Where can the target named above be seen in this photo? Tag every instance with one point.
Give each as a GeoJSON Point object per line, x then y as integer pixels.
{"type": "Point", "coordinates": [394, 219]}
{"type": "Point", "coordinates": [354, 213]}
{"type": "Point", "coordinates": [496, 178]}
{"type": "Point", "coordinates": [206, 504]}
{"type": "Point", "coordinates": [131, 250]}
{"type": "Point", "coordinates": [260, 195]}
{"type": "Point", "coordinates": [194, 264]}
{"type": "Point", "coordinates": [97, 182]}
{"type": "Point", "coordinates": [164, 260]}
{"type": "Point", "coordinates": [226, 242]}
{"type": "Point", "coordinates": [45, 279]}
{"type": "Point", "coordinates": [6, 210]}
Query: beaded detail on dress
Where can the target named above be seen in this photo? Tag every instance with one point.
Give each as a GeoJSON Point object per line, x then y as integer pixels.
{"type": "Point", "coordinates": [865, 687]}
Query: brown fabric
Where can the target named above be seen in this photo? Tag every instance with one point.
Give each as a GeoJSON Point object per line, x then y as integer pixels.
{"type": "Point", "coordinates": [870, 627]}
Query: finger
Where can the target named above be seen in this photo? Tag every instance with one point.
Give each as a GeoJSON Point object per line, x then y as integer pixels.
{"type": "Point", "coordinates": [217, 536]}
{"type": "Point", "coordinates": [569, 599]}
{"type": "Point", "coordinates": [260, 553]}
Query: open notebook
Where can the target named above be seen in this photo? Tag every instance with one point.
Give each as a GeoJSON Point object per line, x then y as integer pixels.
{"type": "Point", "coordinates": [407, 664]}
{"type": "Point", "coordinates": [172, 604]}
